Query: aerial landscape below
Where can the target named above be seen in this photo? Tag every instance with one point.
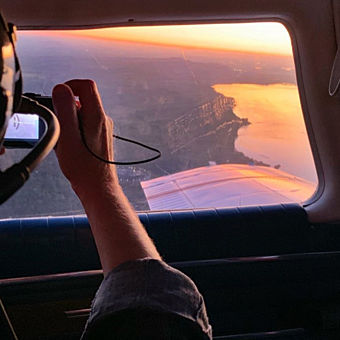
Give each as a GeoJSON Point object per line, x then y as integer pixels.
{"type": "Point", "coordinates": [162, 96]}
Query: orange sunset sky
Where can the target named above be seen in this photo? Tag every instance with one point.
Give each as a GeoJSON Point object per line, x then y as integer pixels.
{"type": "Point", "coordinates": [268, 38]}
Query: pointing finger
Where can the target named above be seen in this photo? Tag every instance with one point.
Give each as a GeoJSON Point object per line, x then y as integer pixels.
{"type": "Point", "coordinates": [91, 113]}
{"type": "Point", "coordinates": [65, 108]}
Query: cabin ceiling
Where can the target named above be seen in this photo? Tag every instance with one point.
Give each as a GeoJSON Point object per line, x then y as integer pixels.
{"type": "Point", "coordinates": [52, 14]}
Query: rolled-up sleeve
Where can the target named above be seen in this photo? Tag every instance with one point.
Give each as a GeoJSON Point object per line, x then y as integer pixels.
{"type": "Point", "coordinates": [149, 284]}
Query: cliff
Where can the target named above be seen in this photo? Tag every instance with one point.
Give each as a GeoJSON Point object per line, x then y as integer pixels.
{"type": "Point", "coordinates": [206, 133]}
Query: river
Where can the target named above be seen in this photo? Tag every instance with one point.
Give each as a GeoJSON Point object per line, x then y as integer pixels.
{"type": "Point", "coordinates": [277, 133]}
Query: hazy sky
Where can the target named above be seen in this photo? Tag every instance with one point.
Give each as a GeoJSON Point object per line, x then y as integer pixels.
{"type": "Point", "coordinates": [269, 38]}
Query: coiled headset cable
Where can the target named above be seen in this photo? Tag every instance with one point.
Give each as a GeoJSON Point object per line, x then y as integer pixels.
{"type": "Point", "coordinates": [158, 153]}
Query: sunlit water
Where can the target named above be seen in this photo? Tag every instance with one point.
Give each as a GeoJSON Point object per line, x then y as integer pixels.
{"type": "Point", "coordinates": [277, 133]}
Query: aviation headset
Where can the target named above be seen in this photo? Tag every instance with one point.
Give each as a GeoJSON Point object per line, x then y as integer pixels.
{"type": "Point", "coordinates": [11, 100]}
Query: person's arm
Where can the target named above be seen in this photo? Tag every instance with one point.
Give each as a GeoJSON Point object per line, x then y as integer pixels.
{"type": "Point", "coordinates": [118, 233]}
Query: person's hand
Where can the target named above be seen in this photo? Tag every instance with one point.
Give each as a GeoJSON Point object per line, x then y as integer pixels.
{"type": "Point", "coordinates": [86, 174]}
{"type": "Point", "coordinates": [117, 230]}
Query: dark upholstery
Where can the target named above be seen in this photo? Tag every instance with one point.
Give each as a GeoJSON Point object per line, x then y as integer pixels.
{"type": "Point", "coordinates": [63, 244]}
{"type": "Point", "coordinates": [260, 269]}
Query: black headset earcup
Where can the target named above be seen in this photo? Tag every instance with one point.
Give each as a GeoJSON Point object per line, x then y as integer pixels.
{"type": "Point", "coordinates": [3, 114]}
{"type": "Point", "coordinates": [17, 84]}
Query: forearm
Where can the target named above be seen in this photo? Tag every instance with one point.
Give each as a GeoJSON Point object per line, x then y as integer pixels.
{"type": "Point", "coordinates": [117, 230]}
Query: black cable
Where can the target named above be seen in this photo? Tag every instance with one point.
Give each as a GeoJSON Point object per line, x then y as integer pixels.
{"type": "Point", "coordinates": [125, 140]}
{"type": "Point", "coordinates": [47, 101]}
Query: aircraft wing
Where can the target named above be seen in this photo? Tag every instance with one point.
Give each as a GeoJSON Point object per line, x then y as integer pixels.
{"type": "Point", "coordinates": [225, 185]}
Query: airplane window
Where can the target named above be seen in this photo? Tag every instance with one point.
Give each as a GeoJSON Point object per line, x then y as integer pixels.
{"type": "Point", "coordinates": [220, 101]}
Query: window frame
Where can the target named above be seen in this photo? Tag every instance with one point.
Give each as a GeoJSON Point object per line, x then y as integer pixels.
{"type": "Point", "coordinates": [307, 22]}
